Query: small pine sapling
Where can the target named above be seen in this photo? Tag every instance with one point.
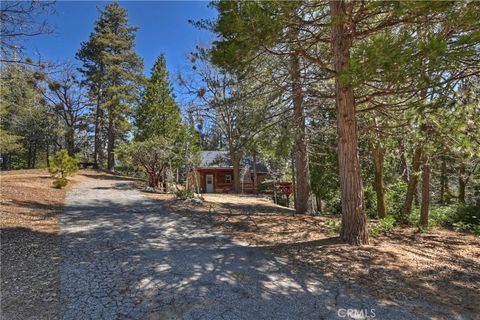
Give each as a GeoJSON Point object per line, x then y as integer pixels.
{"type": "Point", "coordinates": [62, 166]}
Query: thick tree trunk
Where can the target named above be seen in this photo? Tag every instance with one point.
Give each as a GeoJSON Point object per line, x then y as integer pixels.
{"type": "Point", "coordinates": [111, 144]}
{"type": "Point", "coordinates": [153, 179]}
{"type": "Point", "coordinates": [425, 204]}
{"type": "Point", "coordinates": [303, 194]}
{"type": "Point", "coordinates": [236, 175]}
{"type": "Point", "coordinates": [354, 224]}
{"type": "Point", "coordinates": [378, 154]}
{"type": "Point", "coordinates": [412, 185]}
{"type": "Point", "coordinates": [461, 182]}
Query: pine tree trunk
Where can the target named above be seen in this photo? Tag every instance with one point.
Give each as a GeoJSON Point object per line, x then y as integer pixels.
{"type": "Point", "coordinates": [477, 194]}
{"type": "Point", "coordinates": [403, 161]}
{"type": "Point", "coordinates": [255, 172]}
{"type": "Point", "coordinates": [29, 156]}
{"type": "Point", "coordinates": [97, 143]}
{"type": "Point", "coordinates": [236, 175]}
{"type": "Point", "coordinates": [425, 204]}
{"type": "Point", "coordinates": [412, 185]}
{"type": "Point", "coordinates": [318, 201]}
{"type": "Point", "coordinates": [443, 182]}
{"type": "Point", "coordinates": [34, 157]}
{"type": "Point", "coordinates": [5, 162]}
{"type": "Point", "coordinates": [164, 180]}
{"type": "Point", "coordinates": [354, 224]}
{"type": "Point", "coordinates": [303, 195]}
{"type": "Point", "coordinates": [294, 181]}
{"type": "Point", "coordinates": [461, 183]}
{"type": "Point", "coordinates": [111, 144]}
{"type": "Point", "coordinates": [47, 153]}
{"type": "Point", "coordinates": [70, 142]}
{"type": "Point", "coordinates": [378, 154]}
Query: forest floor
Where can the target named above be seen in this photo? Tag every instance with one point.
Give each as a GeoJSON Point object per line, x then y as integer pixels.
{"type": "Point", "coordinates": [30, 257]}
{"type": "Point", "coordinates": [29, 209]}
{"type": "Point", "coordinates": [440, 266]}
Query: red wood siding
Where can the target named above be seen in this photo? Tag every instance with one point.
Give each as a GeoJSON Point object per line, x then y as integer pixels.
{"type": "Point", "coordinates": [219, 184]}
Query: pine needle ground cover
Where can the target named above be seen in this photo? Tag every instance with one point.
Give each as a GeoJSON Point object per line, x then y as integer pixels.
{"type": "Point", "coordinates": [440, 266]}
{"type": "Point", "coordinates": [30, 208]}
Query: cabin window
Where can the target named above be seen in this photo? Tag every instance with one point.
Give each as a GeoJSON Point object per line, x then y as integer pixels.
{"type": "Point", "coordinates": [228, 178]}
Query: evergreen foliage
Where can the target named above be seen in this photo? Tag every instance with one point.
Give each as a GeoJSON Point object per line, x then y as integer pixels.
{"type": "Point", "coordinates": [61, 167]}
{"type": "Point", "coordinates": [158, 113]}
{"type": "Point", "coordinates": [113, 72]}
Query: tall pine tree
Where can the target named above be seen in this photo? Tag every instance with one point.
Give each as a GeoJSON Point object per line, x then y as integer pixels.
{"type": "Point", "coordinates": [114, 73]}
{"type": "Point", "coordinates": [158, 113]}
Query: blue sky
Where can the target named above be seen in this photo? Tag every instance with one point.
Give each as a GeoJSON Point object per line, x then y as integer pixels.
{"type": "Point", "coordinates": [163, 27]}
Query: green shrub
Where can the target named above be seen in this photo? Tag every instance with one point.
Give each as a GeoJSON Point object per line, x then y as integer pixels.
{"type": "Point", "coordinates": [370, 199]}
{"type": "Point", "coordinates": [62, 166]}
{"type": "Point", "coordinates": [383, 226]}
{"type": "Point", "coordinates": [437, 216]}
{"type": "Point", "coordinates": [333, 202]}
{"type": "Point", "coordinates": [476, 230]}
{"type": "Point", "coordinates": [333, 226]}
{"type": "Point", "coordinates": [281, 200]}
{"type": "Point", "coordinates": [469, 215]}
{"type": "Point", "coordinates": [395, 194]}
{"type": "Point", "coordinates": [59, 183]}
{"type": "Point", "coordinates": [265, 186]}
{"type": "Point", "coordinates": [456, 217]}
{"type": "Point", "coordinates": [184, 194]}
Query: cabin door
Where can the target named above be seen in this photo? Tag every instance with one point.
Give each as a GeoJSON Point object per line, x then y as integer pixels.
{"type": "Point", "coordinates": [209, 182]}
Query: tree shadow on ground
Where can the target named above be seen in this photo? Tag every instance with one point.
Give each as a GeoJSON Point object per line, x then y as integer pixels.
{"type": "Point", "coordinates": [100, 175]}
{"type": "Point", "coordinates": [169, 265]}
{"type": "Point", "coordinates": [30, 277]}
{"type": "Point", "coordinates": [452, 283]}
{"type": "Point", "coordinates": [437, 268]}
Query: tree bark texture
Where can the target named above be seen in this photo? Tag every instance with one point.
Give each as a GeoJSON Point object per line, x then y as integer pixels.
{"type": "Point", "coordinates": [444, 191]}
{"type": "Point", "coordinates": [97, 142]}
{"type": "Point", "coordinates": [354, 224]}
{"type": "Point", "coordinates": [303, 194]}
{"type": "Point", "coordinates": [425, 204]}
{"type": "Point", "coordinates": [236, 175]}
{"type": "Point", "coordinates": [378, 155]}
{"type": "Point", "coordinates": [111, 144]}
{"type": "Point", "coordinates": [254, 172]}
{"type": "Point", "coordinates": [412, 184]}
{"type": "Point", "coordinates": [70, 141]}
{"type": "Point", "coordinates": [461, 182]}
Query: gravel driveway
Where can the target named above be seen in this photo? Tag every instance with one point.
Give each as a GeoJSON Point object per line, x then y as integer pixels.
{"type": "Point", "coordinates": [126, 256]}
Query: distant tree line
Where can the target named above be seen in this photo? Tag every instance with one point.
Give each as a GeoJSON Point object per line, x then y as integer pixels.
{"type": "Point", "coordinates": [370, 108]}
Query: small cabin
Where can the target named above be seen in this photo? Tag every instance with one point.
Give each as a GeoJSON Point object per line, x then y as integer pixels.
{"type": "Point", "coordinates": [215, 173]}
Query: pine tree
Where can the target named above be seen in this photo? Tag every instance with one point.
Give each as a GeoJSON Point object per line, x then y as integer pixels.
{"type": "Point", "coordinates": [114, 73]}
{"type": "Point", "coordinates": [158, 113]}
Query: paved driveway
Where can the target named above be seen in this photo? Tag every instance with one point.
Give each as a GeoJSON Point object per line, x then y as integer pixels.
{"type": "Point", "coordinates": [126, 256]}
